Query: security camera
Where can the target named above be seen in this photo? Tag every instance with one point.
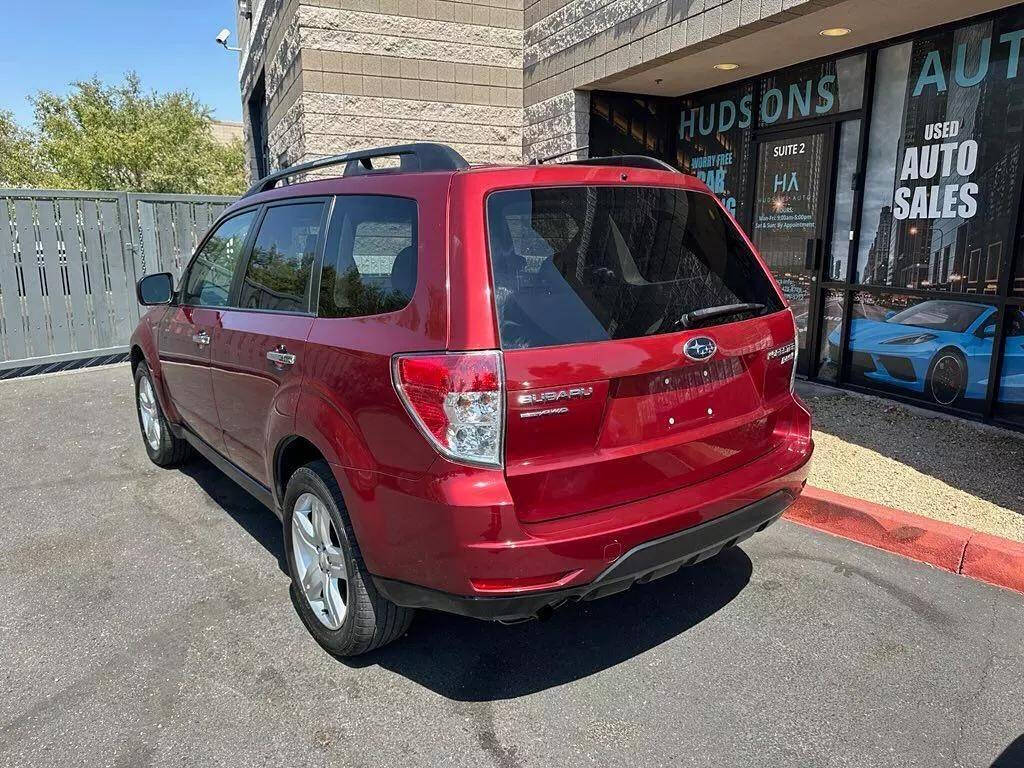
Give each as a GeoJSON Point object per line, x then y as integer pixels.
{"type": "Point", "coordinates": [223, 38]}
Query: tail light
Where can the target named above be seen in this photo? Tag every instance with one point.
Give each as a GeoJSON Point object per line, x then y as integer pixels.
{"type": "Point", "coordinates": [457, 401]}
{"type": "Point", "coordinates": [796, 352]}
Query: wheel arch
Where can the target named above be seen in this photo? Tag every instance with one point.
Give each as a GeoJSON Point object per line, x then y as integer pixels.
{"type": "Point", "coordinates": [292, 452]}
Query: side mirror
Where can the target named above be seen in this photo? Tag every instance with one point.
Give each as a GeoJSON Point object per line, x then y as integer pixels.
{"type": "Point", "coordinates": [155, 289]}
{"type": "Point", "coordinates": [989, 331]}
{"type": "Point", "coordinates": [890, 314]}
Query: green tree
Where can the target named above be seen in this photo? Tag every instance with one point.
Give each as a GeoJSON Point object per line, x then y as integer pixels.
{"type": "Point", "coordinates": [118, 137]}
{"type": "Point", "coordinates": [19, 161]}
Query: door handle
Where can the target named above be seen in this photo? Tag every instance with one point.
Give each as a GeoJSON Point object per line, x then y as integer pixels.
{"type": "Point", "coordinates": [202, 338]}
{"type": "Point", "coordinates": [281, 356]}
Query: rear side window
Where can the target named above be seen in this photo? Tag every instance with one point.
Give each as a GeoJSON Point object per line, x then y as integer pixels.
{"type": "Point", "coordinates": [209, 278]}
{"type": "Point", "coordinates": [579, 264]}
{"type": "Point", "coordinates": [278, 273]}
{"type": "Point", "coordinates": [371, 256]}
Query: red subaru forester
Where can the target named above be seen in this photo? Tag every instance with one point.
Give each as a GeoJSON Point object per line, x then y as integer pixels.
{"type": "Point", "coordinates": [488, 390]}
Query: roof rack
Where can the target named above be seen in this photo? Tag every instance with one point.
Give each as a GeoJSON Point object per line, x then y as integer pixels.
{"type": "Point", "coordinates": [627, 161]}
{"type": "Point", "coordinates": [423, 156]}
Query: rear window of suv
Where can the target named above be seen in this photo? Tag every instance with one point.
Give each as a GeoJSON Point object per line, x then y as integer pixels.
{"type": "Point", "coordinates": [587, 263]}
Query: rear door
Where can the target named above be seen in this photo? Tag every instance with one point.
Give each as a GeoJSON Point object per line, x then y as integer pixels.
{"type": "Point", "coordinates": [258, 352]}
{"type": "Point", "coordinates": [645, 347]}
{"type": "Point", "coordinates": [187, 333]}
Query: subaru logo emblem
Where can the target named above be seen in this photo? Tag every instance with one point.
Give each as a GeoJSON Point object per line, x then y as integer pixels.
{"type": "Point", "coordinates": [700, 348]}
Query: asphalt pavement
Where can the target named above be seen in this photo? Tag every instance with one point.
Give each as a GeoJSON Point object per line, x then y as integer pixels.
{"type": "Point", "coordinates": [145, 619]}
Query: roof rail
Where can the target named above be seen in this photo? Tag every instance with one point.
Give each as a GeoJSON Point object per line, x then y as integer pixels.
{"type": "Point", "coordinates": [627, 161]}
{"type": "Point", "coordinates": [421, 156]}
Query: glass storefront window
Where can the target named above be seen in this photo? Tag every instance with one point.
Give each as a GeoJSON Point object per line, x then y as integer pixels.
{"type": "Point", "coordinates": [1011, 381]}
{"type": "Point", "coordinates": [944, 164]}
{"type": "Point", "coordinates": [832, 307]}
{"type": "Point", "coordinates": [935, 349]}
{"type": "Point", "coordinates": [714, 143]}
{"type": "Point", "coordinates": [787, 217]}
{"type": "Point", "coordinates": [624, 124]}
{"type": "Point", "coordinates": [842, 218]}
{"type": "Point", "coordinates": [812, 90]}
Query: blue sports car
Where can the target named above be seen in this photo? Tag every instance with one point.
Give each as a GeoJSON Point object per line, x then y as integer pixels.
{"type": "Point", "coordinates": [939, 349]}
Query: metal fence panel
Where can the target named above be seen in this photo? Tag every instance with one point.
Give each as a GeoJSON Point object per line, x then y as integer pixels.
{"type": "Point", "coordinates": [69, 262]}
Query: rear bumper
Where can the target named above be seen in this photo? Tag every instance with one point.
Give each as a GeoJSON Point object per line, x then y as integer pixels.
{"type": "Point", "coordinates": [456, 531]}
{"type": "Point", "coordinates": [641, 564]}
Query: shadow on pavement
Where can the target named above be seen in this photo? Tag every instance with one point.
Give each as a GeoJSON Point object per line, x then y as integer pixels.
{"type": "Point", "coordinates": [469, 660]}
{"type": "Point", "coordinates": [258, 521]}
{"type": "Point", "coordinates": [1012, 756]}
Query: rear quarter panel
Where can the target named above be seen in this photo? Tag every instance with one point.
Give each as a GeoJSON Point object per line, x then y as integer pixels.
{"type": "Point", "coordinates": [348, 407]}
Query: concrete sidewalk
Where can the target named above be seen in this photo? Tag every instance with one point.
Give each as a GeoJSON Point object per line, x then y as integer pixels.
{"type": "Point", "coordinates": [910, 459]}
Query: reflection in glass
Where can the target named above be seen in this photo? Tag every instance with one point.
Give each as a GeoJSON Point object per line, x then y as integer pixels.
{"type": "Point", "coordinates": [278, 274]}
{"type": "Point", "coordinates": [715, 140]}
{"type": "Point", "coordinates": [786, 215]}
{"type": "Point", "coordinates": [1010, 404]}
{"type": "Point", "coordinates": [832, 306]}
{"type": "Point", "coordinates": [812, 90]}
{"type": "Point", "coordinates": [842, 221]}
{"type": "Point", "coordinates": [936, 349]}
{"type": "Point", "coordinates": [944, 166]}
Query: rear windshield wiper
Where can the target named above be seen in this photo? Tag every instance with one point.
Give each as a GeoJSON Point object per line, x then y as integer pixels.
{"type": "Point", "coordinates": [691, 319]}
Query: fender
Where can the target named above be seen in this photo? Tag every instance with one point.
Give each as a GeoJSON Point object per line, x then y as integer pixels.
{"type": "Point", "coordinates": [145, 339]}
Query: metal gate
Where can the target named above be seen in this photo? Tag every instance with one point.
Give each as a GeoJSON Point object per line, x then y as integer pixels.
{"type": "Point", "coordinates": [69, 262]}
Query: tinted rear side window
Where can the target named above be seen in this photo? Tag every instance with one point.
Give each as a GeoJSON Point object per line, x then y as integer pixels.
{"type": "Point", "coordinates": [277, 275]}
{"type": "Point", "coordinates": [578, 264]}
{"type": "Point", "coordinates": [371, 259]}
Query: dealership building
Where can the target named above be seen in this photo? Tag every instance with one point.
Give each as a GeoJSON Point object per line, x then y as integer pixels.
{"type": "Point", "coordinates": [870, 148]}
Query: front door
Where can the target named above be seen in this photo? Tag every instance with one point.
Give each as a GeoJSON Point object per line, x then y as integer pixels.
{"type": "Point", "coordinates": [258, 355]}
{"type": "Point", "coordinates": [185, 340]}
{"type": "Point", "coordinates": [790, 218]}
{"type": "Point", "coordinates": [191, 327]}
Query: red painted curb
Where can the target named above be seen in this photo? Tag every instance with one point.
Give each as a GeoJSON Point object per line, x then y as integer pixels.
{"type": "Point", "coordinates": [950, 547]}
{"type": "Point", "coordinates": [995, 560]}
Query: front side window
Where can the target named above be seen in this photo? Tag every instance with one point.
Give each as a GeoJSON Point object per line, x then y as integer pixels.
{"type": "Point", "coordinates": [279, 270]}
{"type": "Point", "coordinates": [209, 280]}
{"type": "Point", "coordinates": [579, 264]}
{"type": "Point", "coordinates": [371, 257]}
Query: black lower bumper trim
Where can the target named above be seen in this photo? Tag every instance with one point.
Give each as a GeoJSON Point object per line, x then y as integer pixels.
{"type": "Point", "coordinates": [645, 562]}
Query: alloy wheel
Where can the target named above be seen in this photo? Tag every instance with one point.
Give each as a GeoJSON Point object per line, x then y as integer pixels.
{"type": "Point", "coordinates": [946, 380]}
{"type": "Point", "coordinates": [319, 561]}
{"type": "Point", "coordinates": [149, 413]}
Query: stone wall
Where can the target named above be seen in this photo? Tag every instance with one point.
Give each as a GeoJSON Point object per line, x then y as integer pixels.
{"type": "Point", "coordinates": [347, 74]}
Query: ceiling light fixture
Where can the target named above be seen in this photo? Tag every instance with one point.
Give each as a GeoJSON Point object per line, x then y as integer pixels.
{"type": "Point", "coordinates": [835, 32]}
{"type": "Point", "coordinates": [727, 67]}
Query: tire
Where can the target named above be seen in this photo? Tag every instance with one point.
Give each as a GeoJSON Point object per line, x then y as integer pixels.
{"type": "Point", "coordinates": [347, 618]}
{"type": "Point", "coordinates": [947, 378]}
{"type": "Point", "coordinates": [164, 448]}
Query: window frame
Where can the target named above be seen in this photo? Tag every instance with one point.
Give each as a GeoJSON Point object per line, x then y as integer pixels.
{"type": "Point", "coordinates": [243, 257]}
{"type": "Point", "coordinates": [314, 278]}
{"type": "Point", "coordinates": [333, 221]}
